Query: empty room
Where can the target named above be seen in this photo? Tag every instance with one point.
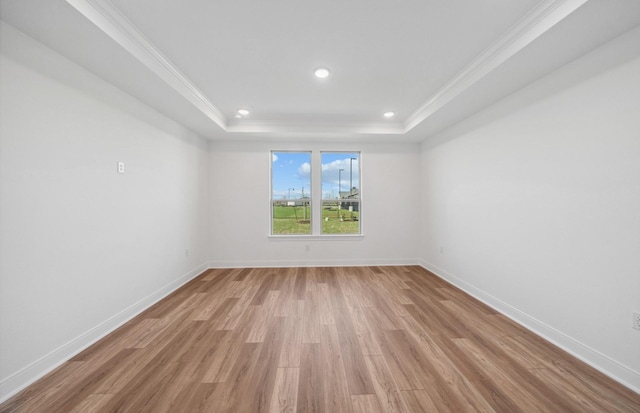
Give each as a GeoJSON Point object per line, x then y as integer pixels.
{"type": "Point", "coordinates": [291, 206]}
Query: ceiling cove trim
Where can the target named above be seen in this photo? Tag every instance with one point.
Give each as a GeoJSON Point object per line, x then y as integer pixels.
{"type": "Point", "coordinates": [532, 25]}
{"type": "Point", "coordinates": [327, 127]}
{"type": "Point", "coordinates": [111, 21]}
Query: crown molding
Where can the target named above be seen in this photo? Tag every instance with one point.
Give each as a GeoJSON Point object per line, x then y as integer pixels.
{"type": "Point", "coordinates": [531, 26]}
{"type": "Point", "coordinates": [323, 127]}
{"type": "Point", "coordinates": [537, 21]}
{"type": "Point", "coordinates": [112, 22]}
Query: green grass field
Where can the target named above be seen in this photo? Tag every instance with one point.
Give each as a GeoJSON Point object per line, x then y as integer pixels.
{"type": "Point", "coordinates": [291, 220]}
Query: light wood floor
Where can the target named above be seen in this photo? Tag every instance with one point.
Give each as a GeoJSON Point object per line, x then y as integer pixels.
{"type": "Point", "coordinates": [366, 339]}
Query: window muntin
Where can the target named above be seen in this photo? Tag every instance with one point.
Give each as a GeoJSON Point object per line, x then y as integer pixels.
{"type": "Point", "coordinates": [341, 201]}
{"type": "Point", "coordinates": [290, 193]}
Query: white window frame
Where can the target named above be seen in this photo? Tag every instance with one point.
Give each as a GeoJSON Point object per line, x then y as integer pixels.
{"type": "Point", "coordinates": [273, 201]}
{"type": "Point", "coordinates": [316, 199]}
{"type": "Point", "coordinates": [358, 201]}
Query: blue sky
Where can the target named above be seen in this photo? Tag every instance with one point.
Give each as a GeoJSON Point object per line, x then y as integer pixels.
{"type": "Point", "coordinates": [292, 170]}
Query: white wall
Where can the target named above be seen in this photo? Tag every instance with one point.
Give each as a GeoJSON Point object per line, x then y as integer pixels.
{"type": "Point", "coordinates": [536, 204]}
{"type": "Point", "coordinates": [240, 177]}
{"type": "Point", "coordinates": [83, 248]}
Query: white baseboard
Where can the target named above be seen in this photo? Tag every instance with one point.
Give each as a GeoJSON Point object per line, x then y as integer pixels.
{"type": "Point", "coordinates": [311, 263]}
{"type": "Point", "coordinates": [36, 370]}
{"type": "Point", "coordinates": [620, 373]}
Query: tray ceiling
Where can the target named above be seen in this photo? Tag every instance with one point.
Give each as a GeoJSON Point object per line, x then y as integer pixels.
{"type": "Point", "coordinates": [431, 63]}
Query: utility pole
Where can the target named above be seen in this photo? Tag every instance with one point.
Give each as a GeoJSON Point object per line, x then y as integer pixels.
{"type": "Point", "coordinates": [339, 190]}
{"type": "Point", "coordinates": [351, 175]}
{"type": "Point", "coordinates": [304, 207]}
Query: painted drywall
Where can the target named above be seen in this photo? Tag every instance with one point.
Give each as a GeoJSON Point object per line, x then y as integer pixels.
{"type": "Point", "coordinates": [533, 205]}
{"type": "Point", "coordinates": [83, 248]}
{"type": "Point", "coordinates": [239, 178]}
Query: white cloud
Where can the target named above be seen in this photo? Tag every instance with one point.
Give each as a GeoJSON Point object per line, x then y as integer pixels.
{"type": "Point", "coordinates": [274, 158]}
{"type": "Point", "coordinates": [331, 173]}
{"type": "Point", "coordinates": [304, 170]}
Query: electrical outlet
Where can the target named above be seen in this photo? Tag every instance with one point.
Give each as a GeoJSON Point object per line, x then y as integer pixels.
{"type": "Point", "coordinates": [120, 167]}
{"type": "Point", "coordinates": [636, 321]}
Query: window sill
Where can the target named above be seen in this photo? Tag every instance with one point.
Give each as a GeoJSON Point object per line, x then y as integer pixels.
{"type": "Point", "coordinates": [331, 237]}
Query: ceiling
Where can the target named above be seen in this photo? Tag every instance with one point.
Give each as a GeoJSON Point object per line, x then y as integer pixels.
{"type": "Point", "coordinates": [431, 62]}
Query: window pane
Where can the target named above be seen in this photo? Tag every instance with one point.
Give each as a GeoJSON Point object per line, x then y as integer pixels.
{"type": "Point", "coordinates": [291, 218]}
{"type": "Point", "coordinates": [340, 217]}
{"type": "Point", "coordinates": [291, 192]}
{"type": "Point", "coordinates": [340, 192]}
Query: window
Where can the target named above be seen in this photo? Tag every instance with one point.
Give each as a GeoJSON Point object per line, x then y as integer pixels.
{"type": "Point", "coordinates": [315, 193]}
{"type": "Point", "coordinates": [290, 193]}
{"type": "Point", "coordinates": [340, 193]}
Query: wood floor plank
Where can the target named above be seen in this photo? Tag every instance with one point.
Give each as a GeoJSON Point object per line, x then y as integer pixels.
{"type": "Point", "coordinates": [585, 401]}
{"type": "Point", "coordinates": [358, 377]}
{"type": "Point", "coordinates": [419, 401]}
{"type": "Point", "coordinates": [334, 339]}
{"type": "Point", "coordinates": [506, 379]}
{"type": "Point", "coordinates": [367, 338]}
{"type": "Point", "coordinates": [229, 395]}
{"type": "Point", "coordinates": [312, 280]}
{"type": "Point", "coordinates": [229, 350]}
{"type": "Point", "coordinates": [430, 311]}
{"type": "Point", "coordinates": [470, 399]}
{"type": "Point", "coordinates": [145, 332]}
{"type": "Point", "coordinates": [93, 403]}
{"type": "Point", "coordinates": [146, 386]}
{"type": "Point", "coordinates": [380, 321]}
{"type": "Point", "coordinates": [242, 274]}
{"type": "Point", "coordinates": [264, 313]}
{"type": "Point", "coordinates": [386, 389]}
{"type": "Point", "coordinates": [122, 374]}
{"type": "Point", "coordinates": [443, 394]}
{"type": "Point", "coordinates": [406, 372]}
{"type": "Point", "coordinates": [366, 403]}
{"type": "Point", "coordinates": [311, 318]}
{"type": "Point", "coordinates": [292, 343]}
{"type": "Point", "coordinates": [300, 286]}
{"type": "Point", "coordinates": [325, 312]}
{"type": "Point", "coordinates": [78, 384]}
{"type": "Point", "coordinates": [287, 303]}
{"type": "Point", "coordinates": [193, 398]}
{"type": "Point", "coordinates": [601, 390]}
{"type": "Point", "coordinates": [200, 363]}
{"type": "Point", "coordinates": [496, 396]}
{"type": "Point", "coordinates": [311, 381]}
{"type": "Point", "coordinates": [479, 320]}
{"type": "Point", "coordinates": [263, 379]}
{"type": "Point", "coordinates": [336, 391]}
{"type": "Point", "coordinates": [285, 391]}
{"type": "Point", "coordinates": [233, 317]}
{"type": "Point", "coordinates": [265, 285]}
{"type": "Point", "coordinates": [144, 391]}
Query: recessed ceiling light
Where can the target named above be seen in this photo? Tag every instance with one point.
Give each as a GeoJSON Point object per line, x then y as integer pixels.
{"type": "Point", "coordinates": [237, 116]}
{"type": "Point", "coordinates": [243, 112]}
{"type": "Point", "coordinates": [389, 114]}
{"type": "Point", "coordinates": [321, 72]}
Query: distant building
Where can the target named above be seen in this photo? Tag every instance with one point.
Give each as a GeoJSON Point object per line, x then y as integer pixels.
{"type": "Point", "coordinates": [353, 194]}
